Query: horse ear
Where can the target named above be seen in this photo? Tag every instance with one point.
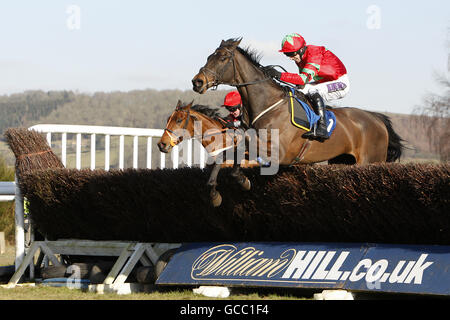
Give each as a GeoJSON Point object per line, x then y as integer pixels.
{"type": "Point", "coordinates": [222, 43]}
{"type": "Point", "coordinates": [178, 105]}
{"type": "Point", "coordinates": [190, 104]}
{"type": "Point", "coordinates": [237, 42]}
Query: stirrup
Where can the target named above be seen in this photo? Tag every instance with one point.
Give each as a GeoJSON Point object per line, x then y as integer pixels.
{"type": "Point", "coordinates": [316, 134]}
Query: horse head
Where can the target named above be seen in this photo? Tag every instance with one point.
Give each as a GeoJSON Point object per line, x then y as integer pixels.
{"type": "Point", "coordinates": [219, 67]}
{"type": "Point", "coordinates": [177, 127]}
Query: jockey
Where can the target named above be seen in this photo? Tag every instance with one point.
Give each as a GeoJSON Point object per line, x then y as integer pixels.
{"type": "Point", "coordinates": [322, 77]}
{"type": "Point", "coordinates": [233, 103]}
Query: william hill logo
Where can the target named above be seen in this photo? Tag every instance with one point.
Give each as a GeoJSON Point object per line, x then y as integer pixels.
{"type": "Point", "coordinates": [227, 262]}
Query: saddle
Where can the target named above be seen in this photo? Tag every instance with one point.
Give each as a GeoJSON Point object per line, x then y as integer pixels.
{"type": "Point", "coordinates": [304, 117]}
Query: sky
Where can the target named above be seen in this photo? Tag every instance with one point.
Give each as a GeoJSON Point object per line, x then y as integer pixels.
{"type": "Point", "coordinates": [391, 49]}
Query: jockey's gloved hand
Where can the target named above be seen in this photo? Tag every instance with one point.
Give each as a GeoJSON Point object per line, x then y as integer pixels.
{"type": "Point", "coordinates": [229, 125]}
{"type": "Point", "coordinates": [272, 72]}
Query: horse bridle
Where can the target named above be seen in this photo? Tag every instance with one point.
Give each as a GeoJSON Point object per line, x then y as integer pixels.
{"type": "Point", "coordinates": [174, 138]}
{"type": "Point", "coordinates": [219, 75]}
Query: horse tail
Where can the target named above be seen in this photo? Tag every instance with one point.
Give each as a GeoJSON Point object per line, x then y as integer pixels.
{"type": "Point", "coordinates": [395, 146]}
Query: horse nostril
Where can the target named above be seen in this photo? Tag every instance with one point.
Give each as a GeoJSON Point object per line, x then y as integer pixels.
{"type": "Point", "coordinates": [161, 145]}
{"type": "Point", "coordinates": [197, 83]}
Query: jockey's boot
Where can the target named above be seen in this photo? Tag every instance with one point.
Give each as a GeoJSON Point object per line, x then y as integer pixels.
{"type": "Point", "coordinates": [319, 131]}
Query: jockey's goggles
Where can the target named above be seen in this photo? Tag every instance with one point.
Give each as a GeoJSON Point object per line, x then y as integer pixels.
{"type": "Point", "coordinates": [291, 54]}
{"type": "Point", "coordinates": [234, 108]}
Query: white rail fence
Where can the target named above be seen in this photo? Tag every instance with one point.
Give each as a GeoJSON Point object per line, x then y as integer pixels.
{"type": "Point", "coordinates": [87, 152]}
{"type": "Point", "coordinates": [193, 152]}
{"type": "Point", "coordinates": [7, 190]}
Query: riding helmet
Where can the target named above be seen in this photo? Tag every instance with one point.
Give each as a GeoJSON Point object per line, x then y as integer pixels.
{"type": "Point", "coordinates": [292, 42]}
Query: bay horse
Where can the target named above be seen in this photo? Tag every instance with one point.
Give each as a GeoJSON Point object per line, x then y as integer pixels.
{"type": "Point", "coordinates": [360, 136]}
{"type": "Point", "coordinates": [214, 137]}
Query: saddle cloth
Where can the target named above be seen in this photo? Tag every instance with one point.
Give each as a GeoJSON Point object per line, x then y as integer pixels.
{"type": "Point", "coordinates": [303, 117]}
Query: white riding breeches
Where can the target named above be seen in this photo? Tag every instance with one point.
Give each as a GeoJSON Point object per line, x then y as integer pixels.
{"type": "Point", "coordinates": [331, 90]}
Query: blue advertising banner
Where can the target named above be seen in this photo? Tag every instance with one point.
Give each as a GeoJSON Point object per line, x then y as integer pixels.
{"type": "Point", "coordinates": [355, 267]}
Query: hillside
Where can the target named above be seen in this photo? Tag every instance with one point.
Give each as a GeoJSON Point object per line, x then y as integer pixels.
{"type": "Point", "coordinates": [18, 109]}
{"type": "Point", "coordinates": [146, 109]}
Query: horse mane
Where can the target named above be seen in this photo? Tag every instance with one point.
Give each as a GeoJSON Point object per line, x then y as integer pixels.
{"type": "Point", "coordinates": [255, 57]}
{"type": "Point", "coordinates": [207, 111]}
{"type": "Point", "coordinates": [251, 54]}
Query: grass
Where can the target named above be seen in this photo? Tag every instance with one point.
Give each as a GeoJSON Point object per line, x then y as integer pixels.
{"type": "Point", "coordinates": [7, 220]}
{"type": "Point", "coordinates": [50, 293]}
{"type": "Point", "coordinates": [40, 292]}
{"type": "Point", "coordinates": [8, 257]}
{"type": "Point", "coordinates": [6, 208]}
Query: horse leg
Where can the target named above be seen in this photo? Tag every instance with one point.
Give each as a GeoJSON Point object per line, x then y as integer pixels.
{"type": "Point", "coordinates": [240, 177]}
{"type": "Point", "coordinates": [216, 198]}
{"type": "Point", "coordinates": [238, 156]}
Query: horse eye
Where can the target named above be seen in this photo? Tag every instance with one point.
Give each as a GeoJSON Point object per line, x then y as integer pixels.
{"type": "Point", "coordinates": [179, 120]}
{"type": "Point", "coordinates": [212, 55]}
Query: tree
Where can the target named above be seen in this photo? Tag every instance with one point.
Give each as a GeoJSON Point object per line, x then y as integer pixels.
{"type": "Point", "coordinates": [435, 111]}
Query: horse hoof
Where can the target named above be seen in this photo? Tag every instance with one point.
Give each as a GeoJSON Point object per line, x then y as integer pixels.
{"type": "Point", "coordinates": [246, 185]}
{"type": "Point", "coordinates": [216, 200]}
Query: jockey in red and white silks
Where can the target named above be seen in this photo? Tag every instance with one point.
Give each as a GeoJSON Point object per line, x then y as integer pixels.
{"type": "Point", "coordinates": [322, 76]}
